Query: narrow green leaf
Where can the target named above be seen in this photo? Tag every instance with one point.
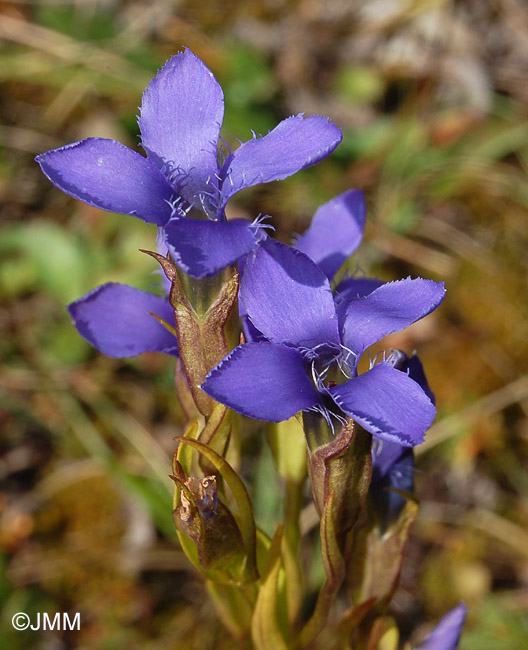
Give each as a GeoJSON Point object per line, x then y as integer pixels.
{"type": "Point", "coordinates": [266, 630]}
{"type": "Point", "coordinates": [184, 454]}
{"type": "Point", "coordinates": [217, 431]}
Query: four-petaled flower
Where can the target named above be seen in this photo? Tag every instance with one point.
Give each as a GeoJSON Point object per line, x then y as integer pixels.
{"type": "Point", "coordinates": [181, 177]}
{"type": "Point", "coordinates": [311, 344]}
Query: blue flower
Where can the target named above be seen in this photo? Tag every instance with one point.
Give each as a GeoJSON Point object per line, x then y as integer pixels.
{"type": "Point", "coordinates": [311, 345]}
{"type": "Point", "coordinates": [446, 634]}
{"type": "Point", "coordinates": [181, 116]}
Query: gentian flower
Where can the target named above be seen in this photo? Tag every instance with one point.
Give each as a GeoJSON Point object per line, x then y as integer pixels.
{"type": "Point", "coordinates": [446, 635]}
{"type": "Point", "coordinates": [181, 176]}
{"type": "Point", "coordinates": [310, 345]}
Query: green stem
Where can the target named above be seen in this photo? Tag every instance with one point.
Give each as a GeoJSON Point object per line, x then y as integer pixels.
{"type": "Point", "coordinates": [291, 545]}
{"type": "Point", "coordinates": [235, 607]}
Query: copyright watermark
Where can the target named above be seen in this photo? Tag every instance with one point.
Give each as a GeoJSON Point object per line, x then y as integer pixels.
{"type": "Point", "coordinates": [21, 621]}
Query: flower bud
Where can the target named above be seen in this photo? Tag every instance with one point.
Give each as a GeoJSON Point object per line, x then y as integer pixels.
{"type": "Point", "coordinates": [207, 521]}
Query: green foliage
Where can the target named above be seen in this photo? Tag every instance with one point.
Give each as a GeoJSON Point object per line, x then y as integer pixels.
{"type": "Point", "coordinates": [78, 21]}
{"type": "Point", "coordinates": [267, 492]}
{"type": "Point", "coordinates": [249, 87]}
{"type": "Point", "coordinates": [359, 84]}
{"type": "Point", "coordinates": [496, 626]}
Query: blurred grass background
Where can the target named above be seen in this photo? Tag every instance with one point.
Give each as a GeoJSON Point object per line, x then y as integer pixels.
{"type": "Point", "coordinates": [433, 99]}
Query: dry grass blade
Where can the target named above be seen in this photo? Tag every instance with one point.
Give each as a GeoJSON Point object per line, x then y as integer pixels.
{"type": "Point", "coordinates": [68, 50]}
{"type": "Point", "coordinates": [514, 392]}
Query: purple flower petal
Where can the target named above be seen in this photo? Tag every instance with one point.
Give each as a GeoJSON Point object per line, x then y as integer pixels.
{"type": "Point", "coordinates": [296, 143]}
{"type": "Point", "coordinates": [349, 289]}
{"type": "Point", "coordinates": [392, 468]}
{"type": "Point", "coordinates": [115, 319]}
{"type": "Point", "coordinates": [181, 116]}
{"type": "Point", "coordinates": [387, 403]}
{"type": "Point", "coordinates": [106, 174]}
{"type": "Point", "coordinates": [288, 298]}
{"type": "Point", "coordinates": [413, 367]}
{"type": "Point", "coordinates": [204, 247]}
{"type": "Point", "coordinates": [251, 333]}
{"type": "Point", "coordinates": [335, 232]}
{"type": "Point", "coordinates": [264, 381]}
{"type": "Point", "coordinates": [162, 249]}
{"type": "Point", "coordinates": [390, 308]}
{"type": "Point", "coordinates": [356, 288]}
{"type": "Point", "coordinates": [386, 456]}
{"type": "Point", "coordinates": [446, 634]}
